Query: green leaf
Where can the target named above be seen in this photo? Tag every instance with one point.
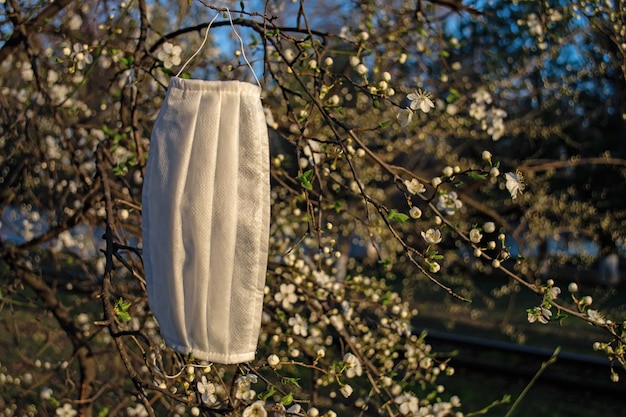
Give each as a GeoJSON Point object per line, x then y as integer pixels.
{"type": "Point", "coordinates": [287, 399]}
{"type": "Point", "coordinates": [127, 60]}
{"type": "Point", "coordinates": [121, 310]}
{"type": "Point", "coordinates": [397, 217]}
{"type": "Point", "coordinates": [387, 298]}
{"type": "Point", "coordinates": [477, 175]}
{"type": "Point", "coordinates": [384, 124]}
{"type": "Point", "coordinates": [434, 255]}
{"type": "Point", "coordinates": [104, 412]}
{"type": "Point", "coordinates": [560, 317]}
{"type": "Point", "coordinates": [453, 96]}
{"type": "Point", "coordinates": [290, 381]}
{"type": "Point", "coordinates": [305, 179]}
{"type": "Point", "coordinates": [267, 394]}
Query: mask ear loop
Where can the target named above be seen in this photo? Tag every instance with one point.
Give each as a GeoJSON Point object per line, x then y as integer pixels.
{"type": "Point", "coordinates": [206, 35]}
{"type": "Point", "coordinates": [243, 53]}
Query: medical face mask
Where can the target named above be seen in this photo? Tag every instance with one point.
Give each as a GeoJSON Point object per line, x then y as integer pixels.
{"type": "Point", "coordinates": [206, 208]}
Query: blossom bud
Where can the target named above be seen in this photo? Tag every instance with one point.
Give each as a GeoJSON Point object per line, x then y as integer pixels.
{"type": "Point", "coordinates": [346, 390]}
{"type": "Point", "coordinates": [273, 360]}
{"type": "Point", "coordinates": [487, 156]}
{"type": "Point", "coordinates": [489, 227]}
{"type": "Point", "coordinates": [495, 263]}
{"type": "Point", "coordinates": [572, 287]}
{"type": "Point", "coordinates": [415, 212]}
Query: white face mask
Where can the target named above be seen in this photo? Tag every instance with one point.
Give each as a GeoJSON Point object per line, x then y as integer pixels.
{"type": "Point", "coordinates": [206, 208]}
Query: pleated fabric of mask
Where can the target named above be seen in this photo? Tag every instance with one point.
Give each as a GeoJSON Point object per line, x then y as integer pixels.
{"type": "Point", "coordinates": [206, 208]}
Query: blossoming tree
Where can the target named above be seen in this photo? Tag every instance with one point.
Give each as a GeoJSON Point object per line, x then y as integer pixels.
{"type": "Point", "coordinates": [394, 149]}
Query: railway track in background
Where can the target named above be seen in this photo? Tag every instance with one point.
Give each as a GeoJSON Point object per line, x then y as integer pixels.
{"type": "Point", "coordinates": [510, 360]}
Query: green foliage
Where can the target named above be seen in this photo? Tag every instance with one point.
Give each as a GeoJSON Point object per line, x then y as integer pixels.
{"type": "Point", "coordinates": [121, 310]}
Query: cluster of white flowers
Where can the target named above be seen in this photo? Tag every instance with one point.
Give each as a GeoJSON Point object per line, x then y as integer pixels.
{"type": "Point", "coordinates": [79, 56]}
{"type": "Point", "coordinates": [491, 118]}
{"type": "Point", "coordinates": [244, 391]}
{"type": "Point", "coordinates": [543, 313]}
{"type": "Point", "coordinates": [536, 28]}
{"type": "Point", "coordinates": [409, 405]}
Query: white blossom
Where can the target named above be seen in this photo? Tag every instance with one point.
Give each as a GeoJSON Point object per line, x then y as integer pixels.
{"type": "Point", "coordinates": [170, 55]}
{"type": "Point", "coordinates": [66, 411]}
{"type": "Point", "coordinates": [407, 403]}
{"type": "Point", "coordinates": [207, 391]}
{"type": "Point", "coordinates": [421, 100]}
{"type": "Point", "coordinates": [352, 365]}
{"type": "Point", "coordinates": [414, 186]}
{"type": "Point", "coordinates": [405, 116]}
{"type": "Point", "coordinates": [475, 236]}
{"type": "Point", "coordinates": [432, 236]}
{"type": "Point", "coordinates": [449, 203]}
{"type": "Point", "coordinates": [256, 409]}
{"type": "Point", "coordinates": [514, 183]}
{"type": "Point", "coordinates": [299, 325]}
{"type": "Point", "coordinates": [286, 295]}
{"type": "Point", "coordinates": [596, 316]}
